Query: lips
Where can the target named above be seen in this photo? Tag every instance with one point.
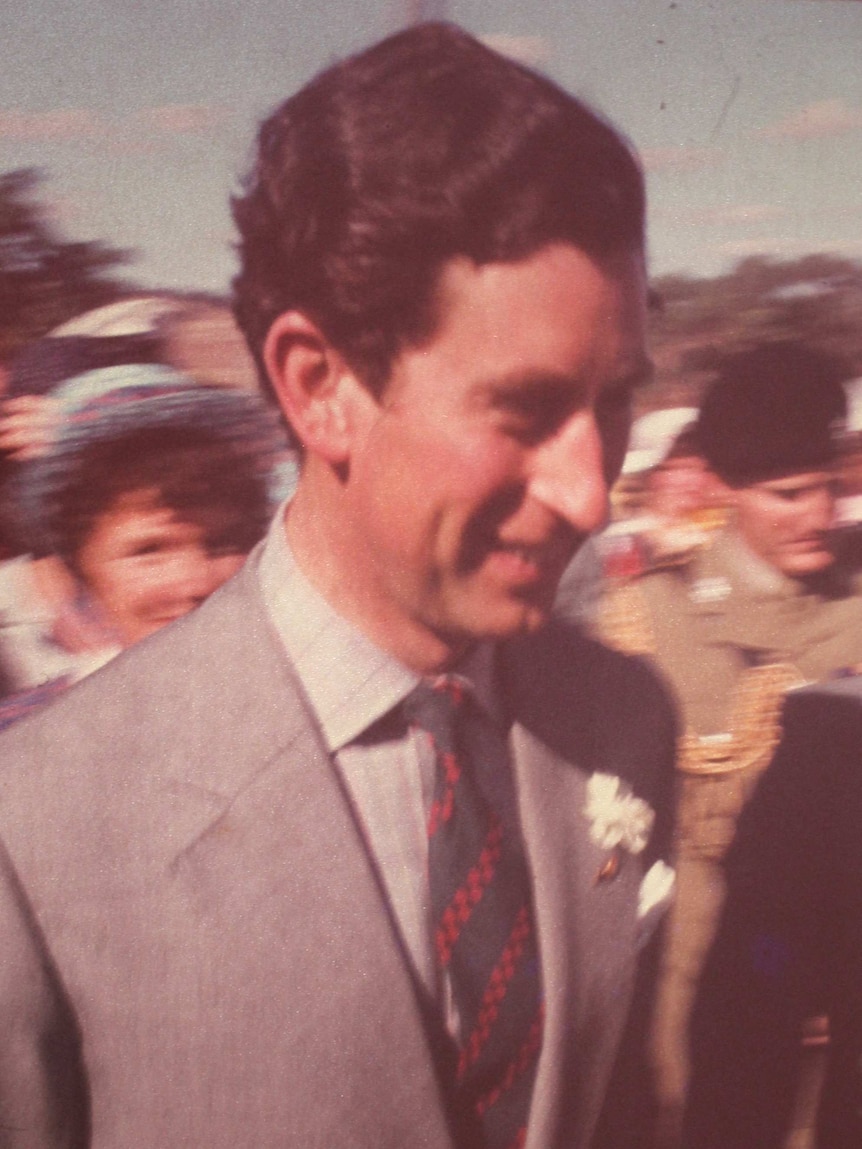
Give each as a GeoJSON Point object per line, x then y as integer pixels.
{"type": "Point", "coordinates": [524, 544]}
{"type": "Point", "coordinates": [810, 543]}
{"type": "Point", "coordinates": [532, 562]}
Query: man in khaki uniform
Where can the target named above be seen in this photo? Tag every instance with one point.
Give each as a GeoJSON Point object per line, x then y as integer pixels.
{"type": "Point", "coordinates": [765, 606]}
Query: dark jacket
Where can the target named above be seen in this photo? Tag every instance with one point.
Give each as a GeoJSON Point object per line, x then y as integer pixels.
{"type": "Point", "coordinates": [790, 943]}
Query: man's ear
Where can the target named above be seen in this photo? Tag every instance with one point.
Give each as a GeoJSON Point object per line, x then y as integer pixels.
{"type": "Point", "coordinates": [312, 383]}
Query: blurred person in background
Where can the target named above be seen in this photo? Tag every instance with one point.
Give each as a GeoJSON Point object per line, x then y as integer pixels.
{"type": "Point", "coordinates": [765, 606]}
{"type": "Point", "coordinates": [662, 508]}
{"type": "Point", "coordinates": [664, 504]}
{"type": "Point", "coordinates": [849, 514]}
{"type": "Point", "coordinates": [44, 633]}
{"type": "Point", "coordinates": [789, 944]}
{"type": "Point", "coordinates": [149, 490]}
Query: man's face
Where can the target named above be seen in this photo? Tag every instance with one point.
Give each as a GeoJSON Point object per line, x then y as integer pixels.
{"type": "Point", "coordinates": [487, 462]}
{"type": "Point", "coordinates": [787, 521]}
{"type": "Point", "coordinates": [678, 486]}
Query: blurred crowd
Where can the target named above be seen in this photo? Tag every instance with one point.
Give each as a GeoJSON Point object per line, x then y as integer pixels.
{"type": "Point", "coordinates": [733, 565]}
{"type": "Point", "coordinates": [134, 483]}
{"type": "Point", "coordinates": [132, 488]}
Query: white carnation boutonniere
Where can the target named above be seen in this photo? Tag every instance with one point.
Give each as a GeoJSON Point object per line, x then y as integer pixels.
{"type": "Point", "coordinates": [617, 816]}
{"type": "Point", "coordinates": [620, 821]}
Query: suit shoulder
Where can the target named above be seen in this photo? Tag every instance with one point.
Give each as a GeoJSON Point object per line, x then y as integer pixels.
{"type": "Point", "coordinates": [155, 699]}
{"type": "Point", "coordinates": [808, 801]}
{"type": "Point", "coordinates": [822, 727]}
{"type": "Point", "coordinates": [562, 662]}
{"type": "Point", "coordinates": [603, 711]}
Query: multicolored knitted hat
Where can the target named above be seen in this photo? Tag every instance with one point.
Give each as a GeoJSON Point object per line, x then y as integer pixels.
{"type": "Point", "coordinates": [115, 403]}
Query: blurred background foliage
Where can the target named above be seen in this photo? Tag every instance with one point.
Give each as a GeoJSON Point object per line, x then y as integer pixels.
{"type": "Point", "coordinates": [47, 279]}
{"type": "Point", "coordinates": [816, 300]}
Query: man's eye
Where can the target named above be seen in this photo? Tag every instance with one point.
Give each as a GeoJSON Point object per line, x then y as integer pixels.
{"type": "Point", "coordinates": [531, 427]}
{"type": "Point", "coordinates": [146, 550]}
{"type": "Point", "coordinates": [530, 421]}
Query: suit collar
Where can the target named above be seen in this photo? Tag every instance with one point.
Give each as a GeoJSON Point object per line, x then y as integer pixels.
{"type": "Point", "coordinates": [270, 775]}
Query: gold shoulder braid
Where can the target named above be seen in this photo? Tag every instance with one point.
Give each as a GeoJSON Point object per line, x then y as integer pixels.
{"type": "Point", "coordinates": [754, 724]}
{"type": "Point", "coordinates": [624, 620]}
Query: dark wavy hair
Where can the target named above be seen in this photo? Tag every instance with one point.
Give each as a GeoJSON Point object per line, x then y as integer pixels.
{"type": "Point", "coordinates": [425, 147]}
{"type": "Point", "coordinates": [207, 453]}
{"type": "Point", "coordinates": [773, 410]}
{"type": "Point", "coordinates": [193, 472]}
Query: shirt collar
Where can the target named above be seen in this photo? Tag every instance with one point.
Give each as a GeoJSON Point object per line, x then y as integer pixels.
{"type": "Point", "coordinates": [349, 680]}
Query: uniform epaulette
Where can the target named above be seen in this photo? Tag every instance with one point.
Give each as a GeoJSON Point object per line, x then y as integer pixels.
{"type": "Point", "coordinates": [624, 619]}
{"type": "Point", "coordinates": [754, 725]}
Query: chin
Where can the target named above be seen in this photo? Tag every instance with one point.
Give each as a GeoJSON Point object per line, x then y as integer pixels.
{"type": "Point", "coordinates": [513, 618]}
{"type": "Point", "coordinates": [802, 565]}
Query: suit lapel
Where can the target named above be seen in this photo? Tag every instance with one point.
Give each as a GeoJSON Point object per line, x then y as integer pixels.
{"type": "Point", "coordinates": [586, 937]}
{"type": "Point", "coordinates": [266, 838]}
{"type": "Point", "coordinates": [265, 851]}
{"type": "Point", "coordinates": [585, 924]}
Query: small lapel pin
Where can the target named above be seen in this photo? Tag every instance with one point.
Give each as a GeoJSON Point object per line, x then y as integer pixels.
{"type": "Point", "coordinates": [609, 869]}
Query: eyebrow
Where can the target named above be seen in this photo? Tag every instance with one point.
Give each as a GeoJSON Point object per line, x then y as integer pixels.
{"type": "Point", "coordinates": [526, 387]}
{"type": "Point", "coordinates": [791, 485]}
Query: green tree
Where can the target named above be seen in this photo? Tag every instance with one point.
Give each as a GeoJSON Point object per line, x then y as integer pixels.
{"type": "Point", "coordinates": [44, 278]}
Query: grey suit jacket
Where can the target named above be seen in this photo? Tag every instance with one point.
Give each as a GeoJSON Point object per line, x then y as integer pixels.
{"type": "Point", "coordinates": [195, 949]}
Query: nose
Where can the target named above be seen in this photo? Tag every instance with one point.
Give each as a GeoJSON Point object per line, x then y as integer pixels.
{"type": "Point", "coordinates": [568, 474]}
{"type": "Point", "coordinates": [821, 508]}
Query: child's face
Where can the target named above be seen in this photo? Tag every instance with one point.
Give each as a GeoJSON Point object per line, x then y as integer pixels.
{"type": "Point", "coordinates": [145, 567]}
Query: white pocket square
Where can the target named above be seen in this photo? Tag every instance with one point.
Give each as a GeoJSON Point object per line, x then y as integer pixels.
{"type": "Point", "coordinates": [654, 898]}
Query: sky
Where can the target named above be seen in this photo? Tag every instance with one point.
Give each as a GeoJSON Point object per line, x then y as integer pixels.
{"type": "Point", "coordinates": [141, 113]}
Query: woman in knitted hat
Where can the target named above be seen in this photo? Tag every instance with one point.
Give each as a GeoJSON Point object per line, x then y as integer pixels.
{"type": "Point", "coordinates": [151, 492]}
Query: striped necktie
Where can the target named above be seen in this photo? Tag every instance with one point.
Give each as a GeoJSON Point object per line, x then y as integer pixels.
{"type": "Point", "coordinates": [484, 937]}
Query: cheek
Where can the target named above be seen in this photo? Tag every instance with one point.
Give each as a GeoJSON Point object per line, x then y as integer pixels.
{"type": "Point", "coordinates": [220, 568]}
{"type": "Point", "coordinates": [127, 585]}
{"type": "Point", "coordinates": [115, 588]}
{"type": "Point", "coordinates": [788, 521]}
{"type": "Point", "coordinates": [432, 484]}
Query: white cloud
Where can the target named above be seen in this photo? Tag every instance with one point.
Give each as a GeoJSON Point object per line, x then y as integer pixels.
{"type": "Point", "coordinates": [678, 158]}
{"type": "Point", "coordinates": [180, 119]}
{"type": "Point", "coordinates": [815, 121]}
{"type": "Point", "coordinates": [734, 215]}
{"type": "Point", "coordinates": [787, 247]}
{"type": "Point", "coordinates": [61, 125]}
{"type": "Point", "coordinates": [53, 124]}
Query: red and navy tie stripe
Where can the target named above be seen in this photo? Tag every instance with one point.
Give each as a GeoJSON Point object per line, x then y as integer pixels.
{"type": "Point", "coordinates": [484, 934]}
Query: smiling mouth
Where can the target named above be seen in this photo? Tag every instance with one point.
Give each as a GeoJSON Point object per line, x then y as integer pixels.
{"type": "Point", "coordinates": [812, 543]}
{"type": "Point", "coordinates": [538, 555]}
{"type": "Point", "coordinates": [522, 553]}
{"type": "Point", "coordinates": [533, 562]}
